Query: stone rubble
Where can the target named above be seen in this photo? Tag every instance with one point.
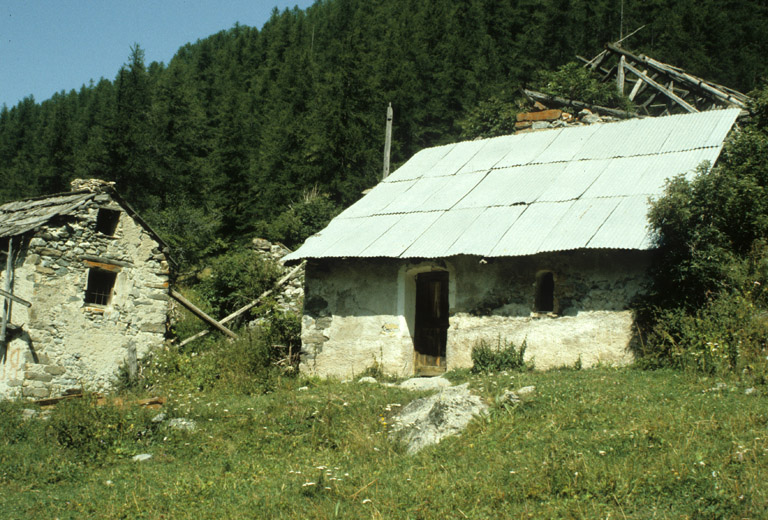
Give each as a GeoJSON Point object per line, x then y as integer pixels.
{"type": "Point", "coordinates": [290, 297]}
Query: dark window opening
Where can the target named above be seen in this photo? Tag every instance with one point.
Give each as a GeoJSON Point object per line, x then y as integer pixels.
{"type": "Point", "coordinates": [100, 285]}
{"type": "Point", "coordinates": [106, 221]}
{"type": "Point", "coordinates": [545, 292]}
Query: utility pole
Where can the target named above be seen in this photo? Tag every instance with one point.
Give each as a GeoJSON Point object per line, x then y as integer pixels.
{"type": "Point", "coordinates": [387, 142]}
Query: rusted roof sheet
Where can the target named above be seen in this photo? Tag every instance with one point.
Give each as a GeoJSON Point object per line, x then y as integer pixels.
{"type": "Point", "coordinates": [553, 190]}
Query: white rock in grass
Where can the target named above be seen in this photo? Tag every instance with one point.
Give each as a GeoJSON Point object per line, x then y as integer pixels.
{"type": "Point", "coordinates": [425, 383]}
{"type": "Point", "coordinates": [182, 423]}
{"type": "Point", "coordinates": [141, 457]}
{"type": "Point", "coordinates": [367, 379]}
{"type": "Point", "coordinates": [526, 390]}
{"type": "Point", "coordinates": [427, 421]}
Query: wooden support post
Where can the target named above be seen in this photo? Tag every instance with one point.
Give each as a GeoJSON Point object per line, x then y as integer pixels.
{"type": "Point", "coordinates": [387, 142]}
{"type": "Point", "coordinates": [8, 289]}
{"type": "Point", "coordinates": [200, 314]}
{"type": "Point", "coordinates": [620, 75]}
{"type": "Point", "coordinates": [636, 89]}
{"type": "Point", "coordinates": [251, 305]}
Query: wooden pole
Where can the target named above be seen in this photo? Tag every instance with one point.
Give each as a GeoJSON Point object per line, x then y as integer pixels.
{"type": "Point", "coordinates": [620, 75]}
{"type": "Point", "coordinates": [246, 308]}
{"type": "Point", "coordinates": [15, 298]}
{"type": "Point", "coordinates": [200, 314]}
{"type": "Point", "coordinates": [8, 288]}
{"type": "Point", "coordinates": [387, 142]}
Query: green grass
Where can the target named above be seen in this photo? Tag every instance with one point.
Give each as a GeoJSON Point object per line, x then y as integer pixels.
{"type": "Point", "coordinates": [599, 443]}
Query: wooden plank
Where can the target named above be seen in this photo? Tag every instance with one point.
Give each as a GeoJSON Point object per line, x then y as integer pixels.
{"type": "Point", "coordinates": [102, 265]}
{"type": "Point", "coordinates": [636, 89]}
{"type": "Point", "coordinates": [671, 95]}
{"type": "Point", "coordinates": [543, 115]}
{"type": "Point", "coordinates": [200, 314]}
{"type": "Point", "coordinates": [248, 307]}
{"type": "Point", "coordinates": [546, 98]}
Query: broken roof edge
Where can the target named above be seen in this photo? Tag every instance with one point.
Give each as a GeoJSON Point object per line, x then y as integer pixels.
{"type": "Point", "coordinates": [108, 190]}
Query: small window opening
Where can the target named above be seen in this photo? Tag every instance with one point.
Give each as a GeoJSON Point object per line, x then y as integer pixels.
{"type": "Point", "coordinates": [100, 285]}
{"type": "Point", "coordinates": [106, 221]}
{"type": "Point", "coordinates": [545, 292]}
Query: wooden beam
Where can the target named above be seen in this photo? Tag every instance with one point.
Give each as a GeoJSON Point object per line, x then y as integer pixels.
{"type": "Point", "coordinates": [620, 75]}
{"type": "Point", "coordinates": [200, 314]}
{"type": "Point", "coordinates": [680, 75]}
{"type": "Point", "coordinates": [15, 298]}
{"type": "Point", "coordinates": [544, 98]}
{"type": "Point", "coordinates": [636, 89]}
{"type": "Point", "coordinates": [671, 95]}
{"type": "Point", "coordinates": [251, 305]}
{"type": "Point", "coordinates": [8, 289]}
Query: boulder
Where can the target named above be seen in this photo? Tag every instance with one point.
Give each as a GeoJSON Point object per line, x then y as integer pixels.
{"type": "Point", "coordinates": [428, 420]}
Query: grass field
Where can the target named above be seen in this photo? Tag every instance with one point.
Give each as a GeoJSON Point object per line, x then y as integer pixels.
{"type": "Point", "coordinates": [599, 443]}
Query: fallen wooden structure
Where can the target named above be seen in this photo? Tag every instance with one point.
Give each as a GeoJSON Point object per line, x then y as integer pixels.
{"type": "Point", "coordinates": [153, 403]}
{"type": "Point", "coordinates": [657, 88]}
{"type": "Point", "coordinates": [219, 325]}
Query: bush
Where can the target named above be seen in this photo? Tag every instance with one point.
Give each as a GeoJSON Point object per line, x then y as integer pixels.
{"type": "Point", "coordinates": [235, 279]}
{"type": "Point", "coordinates": [708, 304]}
{"type": "Point", "coordinates": [97, 431]}
{"type": "Point", "coordinates": [576, 82]}
{"type": "Point", "coordinates": [301, 220]}
{"type": "Point", "coordinates": [248, 365]}
{"type": "Point", "coordinates": [727, 334]}
{"type": "Point", "coordinates": [505, 355]}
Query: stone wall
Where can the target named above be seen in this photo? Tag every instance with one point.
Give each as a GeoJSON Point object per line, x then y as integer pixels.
{"type": "Point", "coordinates": [359, 312]}
{"type": "Point", "coordinates": [289, 297]}
{"type": "Point", "coordinates": [63, 342]}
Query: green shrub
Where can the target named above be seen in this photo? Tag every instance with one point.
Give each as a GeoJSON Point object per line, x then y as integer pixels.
{"type": "Point", "coordinates": [95, 431]}
{"type": "Point", "coordinates": [300, 220]}
{"type": "Point", "coordinates": [248, 365]}
{"type": "Point", "coordinates": [235, 279]}
{"type": "Point", "coordinates": [505, 355]}
{"type": "Point", "coordinates": [729, 333]}
{"type": "Point", "coordinates": [576, 82]}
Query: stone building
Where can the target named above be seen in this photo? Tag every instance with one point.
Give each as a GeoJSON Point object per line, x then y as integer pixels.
{"type": "Point", "coordinates": [85, 283]}
{"type": "Point", "coordinates": [539, 237]}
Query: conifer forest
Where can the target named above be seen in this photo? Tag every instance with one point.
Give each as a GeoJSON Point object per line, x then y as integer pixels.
{"type": "Point", "coordinates": [272, 130]}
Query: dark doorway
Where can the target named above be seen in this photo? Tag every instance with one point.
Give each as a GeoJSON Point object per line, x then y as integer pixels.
{"type": "Point", "coordinates": [545, 292]}
{"type": "Point", "coordinates": [431, 322]}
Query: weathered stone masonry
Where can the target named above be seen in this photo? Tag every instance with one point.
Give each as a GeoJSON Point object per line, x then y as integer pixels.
{"type": "Point", "coordinates": [346, 329]}
{"type": "Point", "coordinates": [62, 342]}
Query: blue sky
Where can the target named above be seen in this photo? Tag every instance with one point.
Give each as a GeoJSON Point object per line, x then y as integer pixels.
{"type": "Point", "coordinates": [51, 45]}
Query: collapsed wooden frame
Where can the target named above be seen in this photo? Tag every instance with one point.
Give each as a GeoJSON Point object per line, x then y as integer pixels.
{"type": "Point", "coordinates": [657, 88]}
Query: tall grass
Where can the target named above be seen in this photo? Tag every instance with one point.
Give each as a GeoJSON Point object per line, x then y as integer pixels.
{"type": "Point", "coordinates": [595, 443]}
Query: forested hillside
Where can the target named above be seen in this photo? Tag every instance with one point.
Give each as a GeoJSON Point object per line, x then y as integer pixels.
{"type": "Point", "coordinates": [244, 124]}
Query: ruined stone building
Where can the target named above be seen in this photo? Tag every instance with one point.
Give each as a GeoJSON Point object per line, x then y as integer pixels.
{"type": "Point", "coordinates": [85, 285]}
{"type": "Point", "coordinates": [539, 237]}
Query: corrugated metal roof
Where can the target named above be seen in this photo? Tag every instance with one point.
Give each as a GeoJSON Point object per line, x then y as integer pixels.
{"type": "Point", "coordinates": [553, 190]}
